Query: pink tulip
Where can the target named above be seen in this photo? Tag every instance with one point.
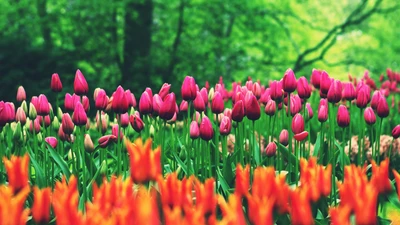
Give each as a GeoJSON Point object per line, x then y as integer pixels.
{"type": "Point", "coordinates": [348, 92]}
{"type": "Point", "coordinates": [194, 130]}
{"type": "Point", "coordinates": [253, 111]}
{"type": "Point", "coordinates": [79, 117]}
{"type": "Point", "coordinates": [21, 94]}
{"type": "Point", "coordinates": [303, 88]}
{"type": "Point", "coordinates": [276, 91]}
{"type": "Point", "coordinates": [120, 103]}
{"type": "Point", "coordinates": [284, 137]}
{"type": "Point", "coordinates": [168, 107]}
{"type": "Point", "coordinates": [335, 92]}
{"type": "Point", "coordinates": [270, 150]}
{"type": "Point", "coordinates": [289, 82]}
{"type": "Point", "coordinates": [157, 103]}
{"type": "Point", "coordinates": [217, 104]}
{"type": "Point", "coordinates": [136, 122]}
{"type": "Point", "coordinates": [343, 117]}
{"type": "Point", "coordinates": [101, 100]}
{"type": "Point", "coordinates": [43, 106]}
{"type": "Point", "coordinates": [114, 131]}
{"type": "Point", "coordinates": [35, 126]}
{"type": "Point", "coordinates": [20, 116]}
{"type": "Point", "coordinates": [130, 98]}
{"type": "Point", "coordinates": [369, 116]}
{"type": "Point", "coordinates": [106, 140]}
{"type": "Point", "coordinates": [323, 111]}
{"type": "Point", "coordinates": [225, 126]}
{"type": "Point", "coordinates": [145, 104]}
{"type": "Point", "coordinates": [198, 103]}
{"type": "Point", "coordinates": [80, 85]}
{"type": "Point", "coordinates": [396, 132]}
{"type": "Point", "coordinates": [188, 89]}
{"type": "Point", "coordinates": [316, 78]}
{"type": "Point", "coordinates": [164, 90]}
{"type": "Point", "coordinates": [56, 85]}
{"type": "Point", "coordinates": [67, 124]}
{"type": "Point", "coordinates": [382, 108]}
{"type": "Point", "coordinates": [297, 124]}
{"type": "Point", "coordinates": [270, 108]}
{"type": "Point", "coordinates": [85, 103]}
{"type": "Point", "coordinates": [206, 129]}
{"type": "Point", "coordinates": [183, 107]}
{"type": "Point", "coordinates": [52, 141]}
{"type": "Point", "coordinates": [124, 119]}
{"type": "Point", "coordinates": [238, 111]}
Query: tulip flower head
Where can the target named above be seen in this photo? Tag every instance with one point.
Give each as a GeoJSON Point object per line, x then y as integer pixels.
{"type": "Point", "coordinates": [145, 103]}
{"type": "Point", "coordinates": [168, 107]}
{"type": "Point", "coordinates": [198, 103]}
{"type": "Point", "coordinates": [316, 78]}
{"type": "Point", "coordinates": [217, 104]}
{"type": "Point", "coordinates": [382, 109]}
{"type": "Point", "coordinates": [270, 108]}
{"type": "Point", "coordinates": [325, 84]}
{"type": "Point", "coordinates": [270, 150]}
{"type": "Point", "coordinates": [284, 137]}
{"type": "Point", "coordinates": [56, 85]}
{"type": "Point", "coordinates": [363, 95]}
{"type": "Point", "coordinates": [106, 140]}
{"type": "Point", "coordinates": [310, 113]}
{"type": "Point", "coordinates": [276, 91]}
{"type": "Point", "coordinates": [206, 129]}
{"type": "Point", "coordinates": [323, 111]}
{"type": "Point", "coordinates": [164, 90]}
{"type": "Point", "coordinates": [194, 130]}
{"type": "Point", "coordinates": [52, 141]}
{"type": "Point", "coordinates": [41, 205]}
{"type": "Point", "coordinates": [183, 107]}
{"type": "Point", "coordinates": [253, 111]}
{"type": "Point", "coordinates": [43, 108]}
{"type": "Point", "coordinates": [225, 126]}
{"type": "Point", "coordinates": [396, 132]}
{"type": "Point", "coordinates": [188, 89]}
{"type": "Point", "coordinates": [21, 94]}
{"type": "Point", "coordinates": [303, 88]}
{"type": "Point", "coordinates": [343, 117]}
{"type": "Point", "coordinates": [80, 85]}
{"type": "Point", "coordinates": [298, 127]}
{"type": "Point", "coordinates": [136, 122]}
{"type": "Point", "coordinates": [369, 116]}
{"type": "Point", "coordinates": [348, 91]}
{"type": "Point", "coordinates": [289, 82]}
{"type": "Point", "coordinates": [88, 144]}
{"type": "Point", "coordinates": [335, 92]}
{"type": "Point", "coordinates": [79, 117]}
{"type": "Point", "coordinates": [120, 103]}
{"type": "Point", "coordinates": [101, 100]}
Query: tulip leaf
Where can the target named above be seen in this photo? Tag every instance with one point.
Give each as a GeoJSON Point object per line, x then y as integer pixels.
{"type": "Point", "coordinates": [39, 174]}
{"type": "Point", "coordinates": [227, 170]}
{"type": "Point", "coordinates": [285, 152]}
{"type": "Point", "coordinates": [393, 198]}
{"type": "Point", "coordinates": [384, 221]}
{"type": "Point", "coordinates": [223, 183]}
{"type": "Point", "coordinates": [59, 161]}
{"type": "Point", "coordinates": [317, 145]}
{"type": "Point", "coordinates": [180, 162]}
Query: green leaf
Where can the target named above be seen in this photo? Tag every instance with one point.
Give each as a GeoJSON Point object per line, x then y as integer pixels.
{"type": "Point", "coordinates": [393, 198]}
{"type": "Point", "coordinates": [285, 152]}
{"type": "Point", "coordinates": [317, 145]}
{"type": "Point", "coordinates": [223, 183]}
{"type": "Point", "coordinates": [39, 174]}
{"type": "Point", "coordinates": [59, 161]}
{"type": "Point", "coordinates": [383, 221]}
{"type": "Point", "coordinates": [227, 170]}
{"type": "Point", "coordinates": [181, 164]}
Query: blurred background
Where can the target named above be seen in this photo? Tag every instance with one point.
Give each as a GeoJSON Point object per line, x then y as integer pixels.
{"type": "Point", "coordinates": [144, 43]}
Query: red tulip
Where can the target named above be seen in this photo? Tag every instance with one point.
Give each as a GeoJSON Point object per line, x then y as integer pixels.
{"type": "Point", "coordinates": [194, 130]}
{"type": "Point", "coordinates": [124, 119]}
{"type": "Point", "coordinates": [284, 137]}
{"type": "Point", "coordinates": [310, 113]}
{"type": "Point", "coordinates": [206, 129]}
{"type": "Point", "coordinates": [323, 111]}
{"type": "Point", "coordinates": [164, 90]}
{"type": "Point", "coordinates": [157, 102]}
{"type": "Point", "coordinates": [382, 108]}
{"type": "Point", "coordinates": [343, 118]}
{"type": "Point", "coordinates": [303, 89]}
{"type": "Point", "coordinates": [217, 104]}
{"type": "Point", "coordinates": [238, 111]}
{"type": "Point", "coordinates": [145, 104]}
{"type": "Point", "coordinates": [253, 111]}
{"type": "Point", "coordinates": [79, 117]}
{"type": "Point", "coordinates": [168, 107]}
{"type": "Point", "coordinates": [21, 94]}
{"type": "Point", "coordinates": [106, 140]}
{"type": "Point", "coordinates": [348, 92]}
{"type": "Point", "coordinates": [396, 132]}
{"type": "Point", "coordinates": [297, 124]}
{"type": "Point", "coordinates": [130, 98]}
{"type": "Point", "coordinates": [67, 124]}
{"type": "Point", "coordinates": [56, 85]}
{"type": "Point", "coordinates": [316, 78]}
{"type": "Point", "coordinates": [101, 100]}
{"type": "Point", "coordinates": [270, 108]}
{"type": "Point", "coordinates": [225, 126]}
{"type": "Point", "coordinates": [52, 141]}
{"type": "Point", "coordinates": [114, 131]}
{"type": "Point", "coordinates": [270, 150]}
{"type": "Point", "coordinates": [20, 116]}
{"type": "Point", "coordinates": [335, 92]}
{"type": "Point", "coordinates": [325, 83]}
{"type": "Point", "coordinates": [80, 85]}
{"type": "Point", "coordinates": [120, 103]}
{"type": "Point", "coordinates": [43, 106]}
{"type": "Point", "coordinates": [276, 91]}
{"type": "Point", "coordinates": [289, 82]}
{"type": "Point", "coordinates": [369, 116]}
{"type": "Point", "coordinates": [183, 107]}
{"type": "Point", "coordinates": [188, 89]}
{"type": "Point", "coordinates": [136, 122]}
{"type": "Point", "coordinates": [198, 103]}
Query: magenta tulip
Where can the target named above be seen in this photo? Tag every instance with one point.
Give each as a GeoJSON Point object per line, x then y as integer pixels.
{"type": "Point", "coordinates": [369, 116]}
{"type": "Point", "coordinates": [52, 141]}
{"type": "Point", "coordinates": [21, 94]}
{"type": "Point", "coordinates": [343, 117]}
{"type": "Point", "coordinates": [217, 104]}
{"type": "Point", "coordinates": [225, 126]}
{"type": "Point", "coordinates": [56, 85]}
{"type": "Point", "coordinates": [289, 82]}
{"type": "Point", "coordinates": [168, 107]}
{"type": "Point", "coordinates": [303, 88]}
{"type": "Point", "coordinates": [188, 89]}
{"type": "Point", "coordinates": [79, 117]}
{"type": "Point", "coordinates": [80, 85]}
{"type": "Point", "coordinates": [145, 104]}
{"type": "Point", "coordinates": [194, 130]}
{"type": "Point", "coordinates": [206, 129]}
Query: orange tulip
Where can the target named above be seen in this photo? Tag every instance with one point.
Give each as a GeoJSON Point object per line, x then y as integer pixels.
{"type": "Point", "coordinates": [300, 211]}
{"type": "Point", "coordinates": [242, 180]}
{"type": "Point", "coordinates": [232, 211]}
{"type": "Point", "coordinates": [41, 205]}
{"type": "Point", "coordinates": [380, 176]}
{"type": "Point", "coordinates": [340, 215]}
{"type": "Point", "coordinates": [397, 178]}
{"type": "Point", "coordinates": [17, 171]}
{"type": "Point", "coordinates": [12, 210]}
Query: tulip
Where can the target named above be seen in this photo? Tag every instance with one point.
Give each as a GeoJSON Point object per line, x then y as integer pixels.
{"type": "Point", "coordinates": [284, 137]}
{"type": "Point", "coordinates": [130, 98]}
{"type": "Point", "coordinates": [85, 103]}
{"type": "Point", "coordinates": [303, 89]}
{"type": "Point", "coordinates": [198, 103]}
{"type": "Point", "coordinates": [238, 111]}
{"type": "Point", "coordinates": [316, 78]}
{"type": "Point", "coordinates": [276, 91]}
{"type": "Point", "coordinates": [266, 96]}
{"type": "Point", "coordinates": [225, 126]}
{"type": "Point", "coordinates": [205, 95]}
{"type": "Point", "coordinates": [301, 136]}
{"type": "Point", "coordinates": [335, 92]}
{"type": "Point", "coordinates": [289, 83]}
{"type": "Point", "coordinates": [270, 150]}
{"type": "Point", "coordinates": [52, 141]}
{"type": "Point", "coordinates": [24, 107]}
{"type": "Point", "coordinates": [270, 108]}
{"type": "Point", "coordinates": [101, 100]}
{"type": "Point", "coordinates": [21, 94]}
{"type": "Point", "coordinates": [136, 122]}
{"type": "Point", "coordinates": [80, 85]}
{"type": "Point", "coordinates": [43, 106]}
{"type": "Point", "coordinates": [20, 116]}
{"type": "Point", "coordinates": [310, 113]}
{"type": "Point", "coordinates": [41, 205]}
{"type": "Point", "coordinates": [164, 90]}
{"type": "Point", "coordinates": [63, 136]}
{"type": "Point", "coordinates": [32, 111]}
{"type": "Point", "coordinates": [228, 113]}
{"type": "Point", "coordinates": [295, 104]}
{"type": "Point", "coordinates": [369, 116]}
{"type": "Point", "coordinates": [188, 89]}
{"type": "Point", "coordinates": [35, 101]}
{"type": "Point", "coordinates": [106, 140]}
{"type": "Point", "coordinates": [323, 111]}
{"type": "Point", "coordinates": [256, 89]}
{"type": "Point", "coordinates": [382, 108]}
{"type": "Point", "coordinates": [35, 126]}
{"type": "Point", "coordinates": [348, 92]}
{"type": "Point", "coordinates": [217, 104]}
{"type": "Point", "coordinates": [363, 96]}
{"type": "Point", "coordinates": [145, 104]}
{"type": "Point", "coordinates": [194, 130]}
{"type": "Point", "coordinates": [67, 124]}
{"type": "Point", "coordinates": [55, 123]}
{"type": "Point", "coordinates": [120, 103]}
{"type": "Point", "coordinates": [343, 118]}
{"type": "Point", "coordinates": [45, 119]}
{"type": "Point", "coordinates": [124, 119]}
{"type": "Point", "coordinates": [253, 111]}
{"type": "Point", "coordinates": [375, 99]}
{"type": "Point", "coordinates": [396, 132]}
{"type": "Point", "coordinates": [17, 168]}
{"type": "Point", "coordinates": [56, 85]}
{"type": "Point", "coordinates": [325, 83]}
{"type": "Point", "coordinates": [168, 107]}
{"type": "Point", "coordinates": [183, 107]}
{"type": "Point", "coordinates": [79, 117]}
{"type": "Point", "coordinates": [206, 129]}
{"type": "Point", "coordinates": [88, 144]}
{"type": "Point", "coordinates": [297, 124]}
{"type": "Point", "coordinates": [114, 131]}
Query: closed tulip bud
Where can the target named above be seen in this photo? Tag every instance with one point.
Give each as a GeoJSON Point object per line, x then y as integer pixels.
{"type": "Point", "coordinates": [168, 107]}
{"type": "Point", "coordinates": [56, 85]}
{"type": "Point", "coordinates": [157, 102]}
{"type": "Point", "coordinates": [21, 94]}
{"type": "Point", "coordinates": [303, 89]}
{"type": "Point", "coordinates": [136, 122]}
{"type": "Point", "coordinates": [194, 130]}
{"type": "Point", "coordinates": [211, 94]}
{"type": "Point", "coordinates": [375, 99]}
{"type": "Point", "coordinates": [295, 104]}
{"type": "Point", "coordinates": [225, 126]}
{"type": "Point", "coordinates": [206, 129]}
{"type": "Point", "coordinates": [323, 111]}
{"type": "Point", "coordinates": [217, 104]}
{"type": "Point", "coordinates": [145, 104]}
{"type": "Point", "coordinates": [256, 89]}
{"type": "Point", "coordinates": [348, 92]}
{"type": "Point", "coordinates": [88, 144]}
{"type": "Point", "coordinates": [335, 92]}
{"type": "Point", "coordinates": [3, 114]}
{"type": "Point", "coordinates": [124, 119]}
{"type": "Point", "coordinates": [265, 96]}
{"type": "Point", "coordinates": [96, 93]}
{"type": "Point", "coordinates": [52, 141]}
{"type": "Point", "coordinates": [276, 91]}
{"type": "Point", "coordinates": [270, 150]}
{"type": "Point", "coordinates": [316, 78]}
{"type": "Point", "coordinates": [183, 107]}
{"type": "Point", "coordinates": [204, 95]}
{"type": "Point", "coordinates": [39, 137]}
{"type": "Point", "coordinates": [59, 113]}
{"type": "Point", "coordinates": [32, 111]}
{"type": "Point", "coordinates": [24, 107]}
{"type": "Point", "coordinates": [164, 90]}
{"type": "Point", "coordinates": [35, 126]}
{"type": "Point", "coordinates": [79, 117]}
{"type": "Point", "coordinates": [188, 89]}
{"type": "Point", "coordinates": [396, 132]}
{"type": "Point", "coordinates": [44, 119]}
{"type": "Point", "coordinates": [298, 124]}
{"type": "Point", "coordinates": [253, 111]}
{"type": "Point", "coordinates": [343, 117]}
{"type": "Point", "coordinates": [325, 83]}
{"type": "Point", "coordinates": [106, 140]}
{"type": "Point", "coordinates": [67, 124]}
{"type": "Point", "coordinates": [80, 85]}
{"type": "Point", "coordinates": [228, 113]}
{"type": "Point", "coordinates": [270, 108]}
{"type": "Point", "coordinates": [383, 108]}
{"type": "Point", "coordinates": [43, 106]}
{"type": "Point", "coordinates": [284, 137]}
{"type": "Point", "coordinates": [369, 116]}
{"type": "Point", "coordinates": [63, 136]}
{"type": "Point", "coordinates": [120, 103]}
{"type": "Point", "coordinates": [35, 101]}
{"type": "Point", "coordinates": [239, 97]}
{"type": "Point", "coordinates": [20, 116]}
{"type": "Point", "coordinates": [238, 111]}
{"type": "Point", "coordinates": [289, 82]}
{"type": "Point", "coordinates": [198, 103]}
{"type": "Point", "coordinates": [309, 112]}
{"type": "Point", "coordinates": [114, 131]}
{"type": "Point", "coordinates": [101, 100]}
{"type": "Point", "coordinates": [363, 96]}
{"type": "Point", "coordinates": [55, 124]}
{"type": "Point", "coordinates": [85, 103]}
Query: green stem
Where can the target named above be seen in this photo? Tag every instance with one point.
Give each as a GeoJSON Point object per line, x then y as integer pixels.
{"type": "Point", "coordinates": [378, 150]}
{"type": "Point", "coordinates": [290, 139]}
{"type": "Point", "coordinates": [119, 155]}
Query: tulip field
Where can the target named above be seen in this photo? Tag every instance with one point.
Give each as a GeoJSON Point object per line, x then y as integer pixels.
{"type": "Point", "coordinates": [291, 151]}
